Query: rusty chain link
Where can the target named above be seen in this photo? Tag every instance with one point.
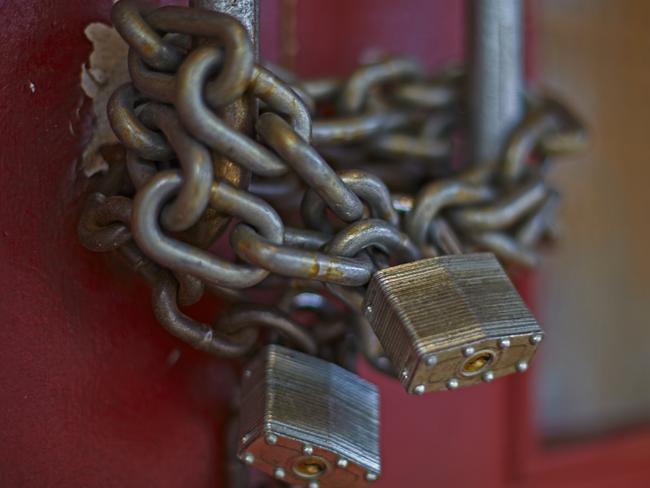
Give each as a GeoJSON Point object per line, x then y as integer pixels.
{"type": "Point", "coordinates": [348, 176]}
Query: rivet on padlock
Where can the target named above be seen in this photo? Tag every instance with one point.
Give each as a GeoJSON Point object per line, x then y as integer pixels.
{"type": "Point", "coordinates": [308, 422]}
{"type": "Point", "coordinates": [451, 321]}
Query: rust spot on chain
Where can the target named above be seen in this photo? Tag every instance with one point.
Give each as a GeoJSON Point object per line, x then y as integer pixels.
{"type": "Point", "coordinates": [376, 116]}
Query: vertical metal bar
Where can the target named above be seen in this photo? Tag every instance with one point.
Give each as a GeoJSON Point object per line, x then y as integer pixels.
{"type": "Point", "coordinates": [245, 11]}
{"type": "Point", "coordinates": [496, 75]}
{"type": "Point", "coordinates": [240, 115]}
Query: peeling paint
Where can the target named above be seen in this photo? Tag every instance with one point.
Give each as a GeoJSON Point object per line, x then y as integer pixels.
{"type": "Point", "coordinates": [105, 70]}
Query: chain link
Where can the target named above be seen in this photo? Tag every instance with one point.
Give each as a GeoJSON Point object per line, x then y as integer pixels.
{"type": "Point", "coordinates": [348, 176]}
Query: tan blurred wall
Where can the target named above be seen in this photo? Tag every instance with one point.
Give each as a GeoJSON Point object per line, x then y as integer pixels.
{"type": "Point", "coordinates": [595, 288]}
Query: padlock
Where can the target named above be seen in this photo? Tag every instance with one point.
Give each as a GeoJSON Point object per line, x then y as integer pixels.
{"type": "Point", "coordinates": [308, 422]}
{"type": "Point", "coordinates": [450, 321]}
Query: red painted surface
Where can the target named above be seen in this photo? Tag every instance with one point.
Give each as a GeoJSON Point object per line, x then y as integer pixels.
{"type": "Point", "coordinates": [619, 459]}
{"type": "Point", "coordinates": [89, 394]}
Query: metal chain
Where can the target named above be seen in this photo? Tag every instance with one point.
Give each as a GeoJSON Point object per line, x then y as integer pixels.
{"type": "Point", "coordinates": [348, 176]}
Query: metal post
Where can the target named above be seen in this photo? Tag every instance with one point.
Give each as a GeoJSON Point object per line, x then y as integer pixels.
{"type": "Point", "coordinates": [241, 114]}
{"type": "Point", "coordinates": [496, 75]}
{"type": "Point", "coordinates": [245, 11]}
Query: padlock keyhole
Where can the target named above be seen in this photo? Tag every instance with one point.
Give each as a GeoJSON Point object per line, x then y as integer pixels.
{"type": "Point", "coordinates": [310, 467]}
{"type": "Point", "coordinates": [477, 363]}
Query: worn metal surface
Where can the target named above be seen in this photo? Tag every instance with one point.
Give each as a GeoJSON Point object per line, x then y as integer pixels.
{"type": "Point", "coordinates": [240, 114]}
{"type": "Point", "coordinates": [247, 12]}
{"type": "Point", "coordinates": [184, 257]}
{"type": "Point", "coordinates": [450, 321]}
{"type": "Point", "coordinates": [495, 75]}
{"type": "Point", "coordinates": [299, 411]}
{"type": "Point", "coordinates": [371, 189]}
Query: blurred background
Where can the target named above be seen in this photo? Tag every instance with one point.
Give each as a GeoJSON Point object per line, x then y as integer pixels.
{"type": "Point", "coordinates": [594, 288]}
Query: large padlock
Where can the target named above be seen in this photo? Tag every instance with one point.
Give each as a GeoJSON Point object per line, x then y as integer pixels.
{"type": "Point", "coordinates": [450, 321]}
{"type": "Point", "coordinates": [308, 422]}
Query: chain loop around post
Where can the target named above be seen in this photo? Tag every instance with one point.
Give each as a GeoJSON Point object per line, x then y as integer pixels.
{"type": "Point", "coordinates": [349, 175]}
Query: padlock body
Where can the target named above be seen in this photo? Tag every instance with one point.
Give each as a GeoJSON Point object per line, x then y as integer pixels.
{"type": "Point", "coordinates": [450, 321]}
{"type": "Point", "coordinates": [308, 420]}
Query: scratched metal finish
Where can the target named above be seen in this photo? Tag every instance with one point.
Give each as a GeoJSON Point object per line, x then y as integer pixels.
{"type": "Point", "coordinates": [435, 309]}
{"type": "Point", "coordinates": [496, 75]}
{"type": "Point", "coordinates": [245, 11]}
{"type": "Point", "coordinates": [291, 401]}
{"type": "Point", "coordinates": [240, 114]}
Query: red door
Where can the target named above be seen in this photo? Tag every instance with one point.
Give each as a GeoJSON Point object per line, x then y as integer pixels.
{"type": "Point", "coordinates": [94, 393]}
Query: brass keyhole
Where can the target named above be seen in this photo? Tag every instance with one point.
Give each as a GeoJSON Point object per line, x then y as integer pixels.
{"type": "Point", "coordinates": [477, 363]}
{"type": "Point", "coordinates": [310, 466]}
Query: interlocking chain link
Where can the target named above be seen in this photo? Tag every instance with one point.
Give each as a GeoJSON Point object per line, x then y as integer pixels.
{"type": "Point", "coordinates": [348, 176]}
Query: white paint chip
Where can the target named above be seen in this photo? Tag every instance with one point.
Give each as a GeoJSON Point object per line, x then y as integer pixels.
{"type": "Point", "coordinates": [105, 70]}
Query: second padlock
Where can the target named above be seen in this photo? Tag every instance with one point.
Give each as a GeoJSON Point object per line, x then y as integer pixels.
{"type": "Point", "coordinates": [450, 321]}
{"type": "Point", "coordinates": [308, 422]}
